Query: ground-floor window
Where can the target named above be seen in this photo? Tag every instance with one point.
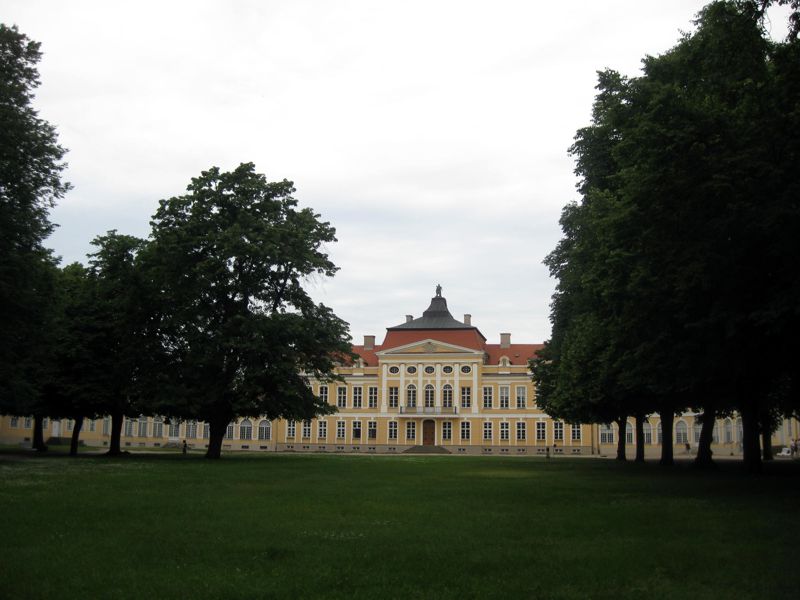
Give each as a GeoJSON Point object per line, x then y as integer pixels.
{"type": "Point", "coordinates": [14, 422]}
{"type": "Point", "coordinates": [107, 426]}
{"type": "Point", "coordinates": [306, 429]}
{"type": "Point", "coordinates": [576, 432]}
{"type": "Point", "coordinates": [392, 430]}
{"type": "Point", "coordinates": [245, 430]}
{"type": "Point", "coordinates": [465, 430]}
{"type": "Point", "coordinates": [340, 430]}
{"type": "Point", "coordinates": [206, 431]}
{"type": "Point", "coordinates": [648, 433]}
{"type": "Point", "coordinates": [142, 427]}
{"type": "Point", "coordinates": [628, 433]}
{"type": "Point", "coordinates": [520, 431]}
{"type": "Point", "coordinates": [29, 423]}
{"type": "Point", "coordinates": [322, 430]}
{"type": "Point", "coordinates": [606, 434]}
{"type": "Point", "coordinates": [503, 431]}
{"type": "Point", "coordinates": [291, 429]}
{"type": "Point", "coordinates": [447, 430]}
{"type": "Point", "coordinates": [128, 427]}
{"type": "Point", "coordinates": [264, 430]}
{"type": "Point", "coordinates": [681, 433]}
{"type": "Point", "coordinates": [372, 430]}
{"type": "Point", "coordinates": [356, 430]}
{"type": "Point", "coordinates": [541, 431]}
{"type": "Point", "coordinates": [411, 431]}
{"type": "Point", "coordinates": [558, 431]}
{"type": "Point", "coordinates": [175, 428]}
{"type": "Point", "coordinates": [191, 429]}
{"type": "Point", "coordinates": [728, 431]}
{"type": "Point", "coordinates": [487, 431]}
{"type": "Point", "coordinates": [697, 428]}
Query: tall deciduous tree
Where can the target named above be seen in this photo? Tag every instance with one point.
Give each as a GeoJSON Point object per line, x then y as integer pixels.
{"type": "Point", "coordinates": [239, 333]}
{"type": "Point", "coordinates": [30, 182]}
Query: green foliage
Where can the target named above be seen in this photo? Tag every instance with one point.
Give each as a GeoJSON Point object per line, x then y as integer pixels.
{"type": "Point", "coordinates": [238, 332]}
{"type": "Point", "coordinates": [30, 182]}
{"type": "Point", "coordinates": [678, 259]}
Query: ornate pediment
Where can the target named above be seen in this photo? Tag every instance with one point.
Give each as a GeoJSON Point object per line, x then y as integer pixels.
{"type": "Point", "coordinates": [429, 346]}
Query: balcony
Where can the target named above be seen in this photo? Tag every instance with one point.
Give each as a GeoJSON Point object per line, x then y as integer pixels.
{"type": "Point", "coordinates": [429, 411]}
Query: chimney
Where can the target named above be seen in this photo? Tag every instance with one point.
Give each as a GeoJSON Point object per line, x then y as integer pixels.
{"type": "Point", "coordinates": [505, 340]}
{"type": "Point", "coordinates": [467, 319]}
{"type": "Point", "coordinates": [409, 318]}
{"type": "Point", "coordinates": [369, 342]}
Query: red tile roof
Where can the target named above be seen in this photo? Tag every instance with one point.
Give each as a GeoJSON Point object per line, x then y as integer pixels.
{"type": "Point", "coordinates": [518, 354]}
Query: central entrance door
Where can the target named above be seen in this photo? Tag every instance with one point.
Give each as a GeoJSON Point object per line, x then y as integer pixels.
{"type": "Point", "coordinates": [428, 433]}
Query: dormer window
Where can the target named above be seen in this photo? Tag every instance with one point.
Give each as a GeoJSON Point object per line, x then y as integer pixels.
{"type": "Point", "coordinates": [504, 362]}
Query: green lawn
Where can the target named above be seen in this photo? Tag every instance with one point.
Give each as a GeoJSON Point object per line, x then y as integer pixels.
{"type": "Point", "coordinates": [305, 526]}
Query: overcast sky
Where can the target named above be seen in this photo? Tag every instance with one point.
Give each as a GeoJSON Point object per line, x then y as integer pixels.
{"type": "Point", "coordinates": [432, 135]}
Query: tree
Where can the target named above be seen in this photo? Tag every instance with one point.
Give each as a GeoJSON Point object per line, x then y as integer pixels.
{"type": "Point", "coordinates": [30, 182]}
{"type": "Point", "coordinates": [238, 332]}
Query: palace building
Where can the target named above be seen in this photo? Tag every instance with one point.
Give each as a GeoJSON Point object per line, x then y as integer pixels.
{"type": "Point", "coordinates": [434, 384]}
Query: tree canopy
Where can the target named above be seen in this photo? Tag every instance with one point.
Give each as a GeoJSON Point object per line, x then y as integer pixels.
{"type": "Point", "coordinates": [238, 333]}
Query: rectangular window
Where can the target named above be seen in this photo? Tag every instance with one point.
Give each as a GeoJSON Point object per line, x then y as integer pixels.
{"type": "Point", "coordinates": [629, 435]}
{"type": "Point", "coordinates": [487, 431]}
{"type": "Point", "coordinates": [107, 425]}
{"type": "Point", "coordinates": [91, 424]}
{"type": "Point", "coordinates": [175, 429]}
{"type": "Point", "coordinates": [142, 427]}
{"type": "Point", "coordinates": [522, 396]}
{"type": "Point", "coordinates": [464, 430]}
{"type": "Point", "coordinates": [393, 429]}
{"type": "Point", "coordinates": [558, 431]}
{"type": "Point", "coordinates": [206, 431]}
{"type": "Point", "coordinates": [466, 397]}
{"type": "Point", "coordinates": [394, 394]}
{"type": "Point", "coordinates": [505, 393]}
{"type": "Point", "coordinates": [447, 430]}
{"type": "Point", "coordinates": [291, 429]}
{"type": "Point", "coordinates": [191, 429]}
{"type": "Point", "coordinates": [541, 431]}
{"type": "Point", "coordinates": [487, 397]}
{"type": "Point", "coordinates": [504, 431]}
{"type": "Point", "coordinates": [576, 432]}
{"type": "Point", "coordinates": [341, 397]}
{"type": "Point", "coordinates": [340, 430]}
{"type": "Point", "coordinates": [356, 430]}
{"type": "Point", "coordinates": [521, 433]}
{"type": "Point", "coordinates": [323, 394]}
{"type": "Point", "coordinates": [71, 424]}
{"type": "Point", "coordinates": [14, 422]}
{"type": "Point", "coordinates": [372, 430]}
{"type": "Point", "coordinates": [306, 429]}
{"type": "Point", "coordinates": [322, 430]}
{"type": "Point", "coordinates": [358, 393]}
{"type": "Point", "coordinates": [372, 397]}
{"type": "Point", "coordinates": [411, 431]}
{"type": "Point", "coordinates": [129, 427]}
{"type": "Point", "coordinates": [29, 423]}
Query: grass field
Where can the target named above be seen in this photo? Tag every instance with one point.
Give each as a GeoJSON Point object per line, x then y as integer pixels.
{"type": "Point", "coordinates": [306, 526]}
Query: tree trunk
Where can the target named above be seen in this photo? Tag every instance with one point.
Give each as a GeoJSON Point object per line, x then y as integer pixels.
{"type": "Point", "coordinates": [667, 452]}
{"type": "Point", "coordinates": [622, 428]}
{"type": "Point", "coordinates": [704, 453]}
{"type": "Point", "coordinates": [114, 448]}
{"type": "Point", "coordinates": [639, 438]}
{"type": "Point", "coordinates": [216, 434]}
{"type": "Point", "coordinates": [750, 447]}
{"type": "Point", "coordinates": [766, 442]}
{"type": "Point", "coordinates": [38, 434]}
{"type": "Point", "coordinates": [76, 435]}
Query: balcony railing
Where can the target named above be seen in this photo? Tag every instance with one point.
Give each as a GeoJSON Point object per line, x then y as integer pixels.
{"type": "Point", "coordinates": [428, 410]}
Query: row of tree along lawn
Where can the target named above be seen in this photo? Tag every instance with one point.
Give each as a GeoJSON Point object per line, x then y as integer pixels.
{"type": "Point", "coordinates": [678, 285]}
{"type": "Point", "coordinates": [206, 319]}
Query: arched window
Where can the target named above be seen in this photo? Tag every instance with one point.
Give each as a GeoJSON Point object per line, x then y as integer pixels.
{"type": "Point", "coordinates": [411, 395]}
{"type": "Point", "coordinates": [697, 427]}
{"type": "Point", "coordinates": [246, 430]}
{"type": "Point", "coordinates": [142, 432]}
{"type": "Point", "coordinates": [659, 434]}
{"type": "Point", "coordinates": [715, 435]}
{"type": "Point", "coordinates": [447, 395]}
{"type": "Point", "coordinates": [606, 434]}
{"type": "Point", "coordinates": [158, 427]}
{"type": "Point", "coordinates": [229, 432]}
{"type": "Point", "coordinates": [728, 431]}
{"type": "Point", "coordinates": [504, 362]}
{"type": "Point", "coordinates": [739, 436]}
{"type": "Point", "coordinates": [628, 433]}
{"type": "Point", "coordinates": [264, 430]}
{"type": "Point", "coordinates": [681, 433]}
{"type": "Point", "coordinates": [191, 429]}
{"type": "Point", "coordinates": [648, 433]}
{"type": "Point", "coordinates": [429, 396]}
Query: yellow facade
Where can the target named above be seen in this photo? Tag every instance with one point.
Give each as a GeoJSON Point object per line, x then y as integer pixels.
{"type": "Point", "coordinates": [424, 389]}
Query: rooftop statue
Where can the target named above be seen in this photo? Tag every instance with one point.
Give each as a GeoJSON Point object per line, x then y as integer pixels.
{"type": "Point", "coordinates": [438, 291]}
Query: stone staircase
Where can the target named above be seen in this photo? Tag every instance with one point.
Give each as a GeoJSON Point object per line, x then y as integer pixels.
{"type": "Point", "coordinates": [426, 450]}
